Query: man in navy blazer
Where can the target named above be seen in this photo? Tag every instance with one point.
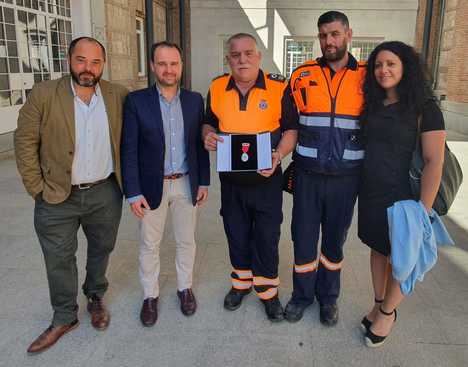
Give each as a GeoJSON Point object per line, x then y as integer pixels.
{"type": "Point", "coordinates": [165, 167]}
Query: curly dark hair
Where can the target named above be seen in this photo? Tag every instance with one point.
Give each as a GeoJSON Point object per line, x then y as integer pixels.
{"type": "Point", "coordinates": [413, 90]}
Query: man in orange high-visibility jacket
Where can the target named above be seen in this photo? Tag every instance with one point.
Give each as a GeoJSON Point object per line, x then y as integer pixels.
{"type": "Point", "coordinates": [249, 101]}
{"type": "Point", "coordinates": [328, 157]}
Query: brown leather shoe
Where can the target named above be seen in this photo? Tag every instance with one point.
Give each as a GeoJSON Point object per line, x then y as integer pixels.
{"type": "Point", "coordinates": [149, 311]}
{"type": "Point", "coordinates": [188, 303]}
{"type": "Point", "coordinates": [100, 317]}
{"type": "Point", "coordinates": [50, 336]}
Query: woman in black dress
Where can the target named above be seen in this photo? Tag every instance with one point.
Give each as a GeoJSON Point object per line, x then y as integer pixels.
{"type": "Point", "coordinates": [397, 100]}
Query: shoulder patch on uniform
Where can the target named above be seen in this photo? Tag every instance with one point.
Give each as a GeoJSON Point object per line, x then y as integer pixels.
{"type": "Point", "coordinates": [220, 76]}
{"type": "Point", "coordinates": [277, 77]}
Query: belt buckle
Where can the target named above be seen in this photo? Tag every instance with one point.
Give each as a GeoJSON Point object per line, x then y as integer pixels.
{"type": "Point", "coordinates": [84, 186]}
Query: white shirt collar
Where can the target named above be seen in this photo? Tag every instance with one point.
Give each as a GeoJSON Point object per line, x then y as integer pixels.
{"type": "Point", "coordinates": [97, 89]}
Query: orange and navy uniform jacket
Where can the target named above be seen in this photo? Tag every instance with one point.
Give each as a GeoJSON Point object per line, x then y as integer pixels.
{"type": "Point", "coordinates": [329, 104]}
{"type": "Point", "coordinates": [268, 106]}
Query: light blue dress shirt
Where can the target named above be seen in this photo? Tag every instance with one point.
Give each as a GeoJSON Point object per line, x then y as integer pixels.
{"type": "Point", "coordinates": [175, 158]}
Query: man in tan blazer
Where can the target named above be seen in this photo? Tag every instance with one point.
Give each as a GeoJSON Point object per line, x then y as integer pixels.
{"type": "Point", "coordinates": [67, 151]}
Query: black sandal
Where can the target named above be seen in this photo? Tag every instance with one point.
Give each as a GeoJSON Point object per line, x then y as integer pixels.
{"type": "Point", "coordinates": [365, 322]}
{"type": "Point", "coordinates": [373, 340]}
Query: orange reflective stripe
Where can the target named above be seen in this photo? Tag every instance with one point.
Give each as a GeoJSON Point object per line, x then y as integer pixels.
{"type": "Point", "coordinates": [306, 268]}
{"type": "Point", "coordinates": [268, 294]}
{"type": "Point", "coordinates": [241, 284]}
{"type": "Point", "coordinates": [330, 265]}
{"type": "Point", "coordinates": [266, 281]}
{"type": "Point", "coordinates": [243, 274]}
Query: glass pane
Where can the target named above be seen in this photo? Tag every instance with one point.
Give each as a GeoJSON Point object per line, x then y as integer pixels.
{"type": "Point", "coordinates": [10, 32]}
{"type": "Point", "coordinates": [9, 16]}
{"type": "Point", "coordinates": [55, 52]}
{"type": "Point", "coordinates": [35, 64]}
{"type": "Point", "coordinates": [3, 49]}
{"type": "Point", "coordinates": [34, 51]}
{"type": "Point", "coordinates": [42, 5]}
{"type": "Point", "coordinates": [68, 12]}
{"type": "Point", "coordinates": [5, 99]}
{"type": "Point", "coordinates": [62, 52]}
{"type": "Point", "coordinates": [32, 21]}
{"type": "Point", "coordinates": [22, 18]}
{"type": "Point", "coordinates": [4, 82]}
{"type": "Point", "coordinates": [1, 14]}
{"type": "Point", "coordinates": [46, 76]}
{"type": "Point", "coordinates": [27, 3]}
{"type": "Point", "coordinates": [35, 4]}
{"type": "Point", "coordinates": [61, 25]}
{"type": "Point", "coordinates": [14, 65]}
{"type": "Point", "coordinates": [54, 38]}
{"type": "Point", "coordinates": [2, 32]}
{"type": "Point", "coordinates": [26, 65]}
{"type": "Point", "coordinates": [64, 64]}
{"type": "Point", "coordinates": [61, 2]}
{"type": "Point", "coordinates": [53, 23]}
{"type": "Point", "coordinates": [68, 28]}
{"type": "Point", "coordinates": [37, 78]}
{"type": "Point", "coordinates": [3, 65]}
{"type": "Point", "coordinates": [12, 49]}
{"type": "Point", "coordinates": [63, 41]}
{"type": "Point", "coordinates": [56, 65]}
{"type": "Point", "coordinates": [16, 97]}
{"type": "Point", "coordinates": [68, 38]}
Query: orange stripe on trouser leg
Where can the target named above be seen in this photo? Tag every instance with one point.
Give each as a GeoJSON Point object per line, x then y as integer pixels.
{"type": "Point", "coordinates": [266, 281]}
{"type": "Point", "coordinates": [306, 268]}
{"type": "Point", "coordinates": [268, 294]}
{"type": "Point", "coordinates": [241, 284]}
{"type": "Point", "coordinates": [330, 265]}
{"type": "Point", "coordinates": [243, 274]}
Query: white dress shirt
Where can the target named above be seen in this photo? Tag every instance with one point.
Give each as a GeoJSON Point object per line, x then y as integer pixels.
{"type": "Point", "coordinates": [93, 152]}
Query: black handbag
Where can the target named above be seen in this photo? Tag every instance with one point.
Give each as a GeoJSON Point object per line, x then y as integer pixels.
{"type": "Point", "coordinates": [288, 178]}
{"type": "Point", "coordinates": [452, 177]}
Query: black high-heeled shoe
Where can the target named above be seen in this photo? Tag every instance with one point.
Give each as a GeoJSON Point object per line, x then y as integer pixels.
{"type": "Point", "coordinates": [373, 340]}
{"type": "Point", "coordinates": [365, 322]}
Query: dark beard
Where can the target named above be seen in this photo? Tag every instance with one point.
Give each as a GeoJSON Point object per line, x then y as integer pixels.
{"type": "Point", "coordinates": [85, 83]}
{"type": "Point", "coordinates": [340, 54]}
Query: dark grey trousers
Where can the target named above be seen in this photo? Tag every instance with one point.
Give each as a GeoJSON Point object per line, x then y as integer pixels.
{"type": "Point", "coordinates": [98, 211]}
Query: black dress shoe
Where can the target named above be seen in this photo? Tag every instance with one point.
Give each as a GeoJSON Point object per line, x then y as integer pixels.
{"type": "Point", "coordinates": [149, 311]}
{"type": "Point", "coordinates": [273, 309]}
{"type": "Point", "coordinates": [329, 314]}
{"type": "Point", "coordinates": [188, 303]}
{"type": "Point", "coordinates": [233, 299]}
{"type": "Point", "coordinates": [294, 311]}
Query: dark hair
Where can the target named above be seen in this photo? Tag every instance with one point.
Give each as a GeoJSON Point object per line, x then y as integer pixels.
{"type": "Point", "coordinates": [413, 90]}
{"type": "Point", "coordinates": [333, 16]}
{"type": "Point", "coordinates": [240, 35]}
{"type": "Point", "coordinates": [73, 44]}
{"type": "Point", "coordinates": [164, 44]}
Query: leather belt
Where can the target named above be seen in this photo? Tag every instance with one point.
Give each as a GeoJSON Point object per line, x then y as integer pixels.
{"type": "Point", "coordinates": [174, 176]}
{"type": "Point", "coordinates": [86, 186]}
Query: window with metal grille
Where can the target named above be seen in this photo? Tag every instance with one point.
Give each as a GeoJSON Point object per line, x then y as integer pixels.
{"type": "Point", "coordinates": [297, 51]}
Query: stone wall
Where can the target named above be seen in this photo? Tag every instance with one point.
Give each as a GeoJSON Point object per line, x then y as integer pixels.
{"type": "Point", "coordinates": [122, 40]}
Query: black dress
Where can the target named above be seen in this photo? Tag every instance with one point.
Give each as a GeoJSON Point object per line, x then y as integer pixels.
{"type": "Point", "coordinates": [390, 136]}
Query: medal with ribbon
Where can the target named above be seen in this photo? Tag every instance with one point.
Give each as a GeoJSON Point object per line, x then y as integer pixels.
{"type": "Point", "coordinates": [245, 149]}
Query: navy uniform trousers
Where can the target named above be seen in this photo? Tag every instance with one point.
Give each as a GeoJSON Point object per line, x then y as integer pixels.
{"type": "Point", "coordinates": [252, 217]}
{"type": "Point", "coordinates": [323, 202]}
